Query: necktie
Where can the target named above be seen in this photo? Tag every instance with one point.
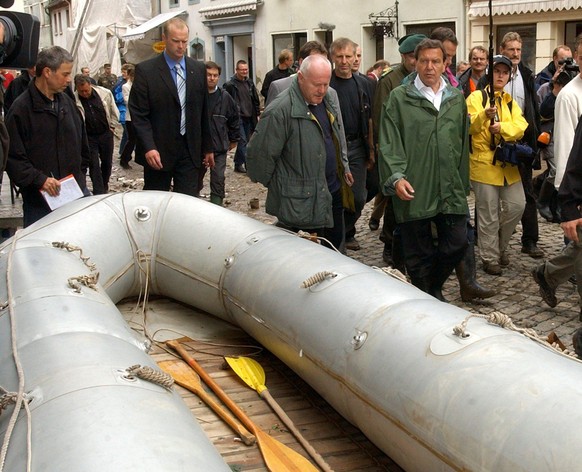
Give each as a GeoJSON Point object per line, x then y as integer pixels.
{"type": "Point", "coordinates": [181, 85]}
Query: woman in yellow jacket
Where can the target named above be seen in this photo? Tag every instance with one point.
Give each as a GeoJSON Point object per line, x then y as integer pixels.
{"type": "Point", "coordinates": [499, 195]}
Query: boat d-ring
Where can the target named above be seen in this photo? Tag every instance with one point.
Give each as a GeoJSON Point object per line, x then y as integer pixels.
{"type": "Point", "coordinates": [142, 213]}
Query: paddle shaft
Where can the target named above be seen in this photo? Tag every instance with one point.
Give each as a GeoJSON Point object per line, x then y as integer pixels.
{"type": "Point", "coordinates": [247, 437]}
{"type": "Point", "coordinates": [278, 457]}
{"type": "Point", "coordinates": [232, 406]}
{"type": "Point", "coordinates": [320, 461]}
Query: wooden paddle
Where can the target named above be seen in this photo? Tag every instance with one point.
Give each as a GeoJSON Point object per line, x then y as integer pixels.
{"type": "Point", "coordinates": [253, 374]}
{"type": "Point", "coordinates": [277, 456]}
{"type": "Point", "coordinates": [187, 378]}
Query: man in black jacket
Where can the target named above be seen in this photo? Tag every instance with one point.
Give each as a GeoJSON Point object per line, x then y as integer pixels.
{"type": "Point", "coordinates": [243, 90]}
{"type": "Point", "coordinates": [521, 87]}
{"type": "Point", "coordinates": [47, 136]}
{"type": "Point", "coordinates": [224, 129]}
{"type": "Point", "coordinates": [355, 96]}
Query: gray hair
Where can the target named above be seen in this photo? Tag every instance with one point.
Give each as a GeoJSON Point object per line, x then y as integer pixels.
{"type": "Point", "coordinates": [81, 79]}
{"type": "Point", "coordinates": [52, 58]}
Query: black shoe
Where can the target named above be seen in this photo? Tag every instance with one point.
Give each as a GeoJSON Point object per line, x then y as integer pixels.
{"type": "Point", "coordinates": [352, 244]}
{"type": "Point", "coordinates": [125, 165]}
{"type": "Point", "coordinates": [547, 293]}
{"type": "Point", "coordinates": [387, 255]}
{"type": "Point", "coordinates": [240, 168]}
{"type": "Point", "coordinates": [374, 224]}
{"type": "Point", "coordinates": [573, 280]}
{"type": "Point", "coordinates": [532, 251]}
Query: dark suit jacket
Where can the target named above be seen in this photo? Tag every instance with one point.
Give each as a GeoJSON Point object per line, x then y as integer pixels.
{"type": "Point", "coordinates": [155, 112]}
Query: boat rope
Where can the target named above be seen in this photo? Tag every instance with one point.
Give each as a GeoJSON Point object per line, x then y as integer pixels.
{"type": "Point", "coordinates": [318, 278]}
{"type": "Point", "coordinates": [9, 398]}
{"type": "Point", "coordinates": [391, 271]}
{"type": "Point", "coordinates": [86, 280]}
{"type": "Point", "coordinates": [151, 375]}
{"type": "Point", "coordinates": [71, 248]}
{"type": "Point", "coordinates": [500, 319]}
{"type": "Point", "coordinates": [313, 237]}
{"type": "Point", "coordinates": [20, 399]}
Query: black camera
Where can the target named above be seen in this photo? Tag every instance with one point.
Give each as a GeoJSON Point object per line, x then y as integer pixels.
{"type": "Point", "coordinates": [570, 70]}
{"type": "Point", "coordinates": [21, 35]}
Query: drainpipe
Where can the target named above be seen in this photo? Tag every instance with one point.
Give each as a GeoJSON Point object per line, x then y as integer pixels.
{"type": "Point", "coordinates": [79, 32]}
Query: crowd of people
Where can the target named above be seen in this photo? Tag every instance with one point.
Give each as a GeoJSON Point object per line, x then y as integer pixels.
{"type": "Point", "coordinates": [415, 138]}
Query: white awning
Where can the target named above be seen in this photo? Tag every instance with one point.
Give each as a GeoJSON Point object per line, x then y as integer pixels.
{"type": "Point", "coordinates": [141, 30]}
{"type": "Point", "coordinates": [513, 7]}
{"type": "Point", "coordinates": [230, 8]}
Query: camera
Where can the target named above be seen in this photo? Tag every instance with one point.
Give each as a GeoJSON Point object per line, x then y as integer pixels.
{"type": "Point", "coordinates": [570, 70]}
{"type": "Point", "coordinates": [21, 34]}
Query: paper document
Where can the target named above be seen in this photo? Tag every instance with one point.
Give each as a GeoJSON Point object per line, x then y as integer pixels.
{"type": "Point", "coordinates": [70, 191]}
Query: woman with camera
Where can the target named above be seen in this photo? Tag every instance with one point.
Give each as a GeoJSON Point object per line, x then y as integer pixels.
{"type": "Point", "coordinates": [499, 196]}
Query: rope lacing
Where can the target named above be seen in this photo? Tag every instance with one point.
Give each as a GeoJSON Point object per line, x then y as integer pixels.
{"type": "Point", "coordinates": [151, 375]}
{"type": "Point", "coordinates": [500, 319]}
{"type": "Point", "coordinates": [6, 400]}
{"type": "Point", "coordinates": [87, 280]}
{"type": "Point", "coordinates": [317, 278]}
{"type": "Point", "coordinates": [392, 272]}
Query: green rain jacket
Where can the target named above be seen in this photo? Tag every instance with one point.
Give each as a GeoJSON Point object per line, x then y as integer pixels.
{"type": "Point", "coordinates": [429, 148]}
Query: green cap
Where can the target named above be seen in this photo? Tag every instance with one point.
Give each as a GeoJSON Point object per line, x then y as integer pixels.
{"type": "Point", "coordinates": [408, 43]}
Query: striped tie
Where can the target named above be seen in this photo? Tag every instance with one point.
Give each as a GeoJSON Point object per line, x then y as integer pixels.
{"type": "Point", "coordinates": [181, 85]}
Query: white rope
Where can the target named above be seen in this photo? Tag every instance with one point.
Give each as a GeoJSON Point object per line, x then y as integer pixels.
{"type": "Point", "coordinates": [151, 375]}
{"type": "Point", "coordinates": [500, 319]}
{"type": "Point", "coordinates": [318, 278]}
{"type": "Point", "coordinates": [392, 273]}
{"type": "Point", "coordinates": [87, 280]}
{"type": "Point", "coordinates": [20, 400]}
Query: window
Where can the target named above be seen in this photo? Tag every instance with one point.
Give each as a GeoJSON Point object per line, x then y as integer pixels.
{"type": "Point", "coordinates": [292, 41]}
{"type": "Point", "coordinates": [174, 3]}
{"type": "Point", "coordinates": [573, 29]}
{"type": "Point", "coordinates": [197, 49]}
{"type": "Point", "coordinates": [427, 29]}
{"type": "Point", "coordinates": [528, 42]}
{"type": "Point", "coordinates": [193, 2]}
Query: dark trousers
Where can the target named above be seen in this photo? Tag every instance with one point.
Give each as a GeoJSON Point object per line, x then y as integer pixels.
{"type": "Point", "coordinates": [101, 147]}
{"type": "Point", "coordinates": [124, 138]}
{"type": "Point", "coordinates": [184, 176]}
{"type": "Point", "coordinates": [246, 128]}
{"type": "Point", "coordinates": [334, 235]}
{"type": "Point", "coordinates": [34, 206]}
{"type": "Point", "coordinates": [430, 263]}
{"type": "Point", "coordinates": [217, 179]}
{"type": "Point", "coordinates": [358, 167]}
{"type": "Point", "coordinates": [129, 143]}
{"type": "Point", "coordinates": [529, 219]}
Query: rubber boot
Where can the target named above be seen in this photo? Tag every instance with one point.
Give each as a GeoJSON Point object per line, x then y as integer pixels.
{"type": "Point", "coordinates": [545, 199]}
{"type": "Point", "coordinates": [216, 200]}
{"type": "Point", "coordinates": [466, 271]}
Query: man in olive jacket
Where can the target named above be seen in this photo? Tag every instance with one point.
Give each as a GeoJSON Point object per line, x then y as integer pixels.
{"type": "Point", "coordinates": [424, 161]}
{"type": "Point", "coordinates": [295, 153]}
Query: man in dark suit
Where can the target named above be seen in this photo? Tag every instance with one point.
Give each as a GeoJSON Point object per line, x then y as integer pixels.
{"type": "Point", "coordinates": [169, 111]}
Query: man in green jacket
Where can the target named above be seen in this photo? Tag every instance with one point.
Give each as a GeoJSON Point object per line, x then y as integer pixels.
{"type": "Point", "coordinates": [295, 152]}
{"type": "Point", "coordinates": [424, 161]}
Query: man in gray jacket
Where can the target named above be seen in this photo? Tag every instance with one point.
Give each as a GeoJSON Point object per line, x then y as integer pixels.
{"type": "Point", "coordinates": [296, 153]}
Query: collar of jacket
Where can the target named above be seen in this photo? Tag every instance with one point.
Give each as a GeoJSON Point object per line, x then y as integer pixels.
{"type": "Point", "coordinates": [414, 93]}
{"type": "Point", "coordinates": [40, 102]}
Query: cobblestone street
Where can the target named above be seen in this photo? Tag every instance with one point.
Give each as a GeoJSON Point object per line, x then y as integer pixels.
{"type": "Point", "coordinates": [517, 293]}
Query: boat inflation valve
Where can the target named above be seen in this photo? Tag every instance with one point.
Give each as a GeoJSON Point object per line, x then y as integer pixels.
{"type": "Point", "coordinates": [359, 339]}
{"type": "Point", "coordinates": [142, 213]}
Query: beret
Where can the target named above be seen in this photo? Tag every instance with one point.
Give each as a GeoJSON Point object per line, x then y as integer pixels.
{"type": "Point", "coordinates": [408, 43]}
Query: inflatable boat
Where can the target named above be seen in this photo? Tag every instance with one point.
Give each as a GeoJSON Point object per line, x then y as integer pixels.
{"type": "Point", "coordinates": [381, 352]}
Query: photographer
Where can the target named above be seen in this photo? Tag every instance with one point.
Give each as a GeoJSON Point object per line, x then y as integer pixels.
{"type": "Point", "coordinates": [496, 184]}
{"type": "Point", "coordinates": [547, 94]}
{"type": "Point", "coordinates": [559, 57]}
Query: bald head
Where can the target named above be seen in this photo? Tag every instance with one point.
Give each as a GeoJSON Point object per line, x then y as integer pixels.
{"type": "Point", "coordinates": [313, 78]}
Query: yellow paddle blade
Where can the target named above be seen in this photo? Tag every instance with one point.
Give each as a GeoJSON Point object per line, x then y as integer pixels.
{"type": "Point", "coordinates": [279, 457]}
{"type": "Point", "coordinates": [250, 371]}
